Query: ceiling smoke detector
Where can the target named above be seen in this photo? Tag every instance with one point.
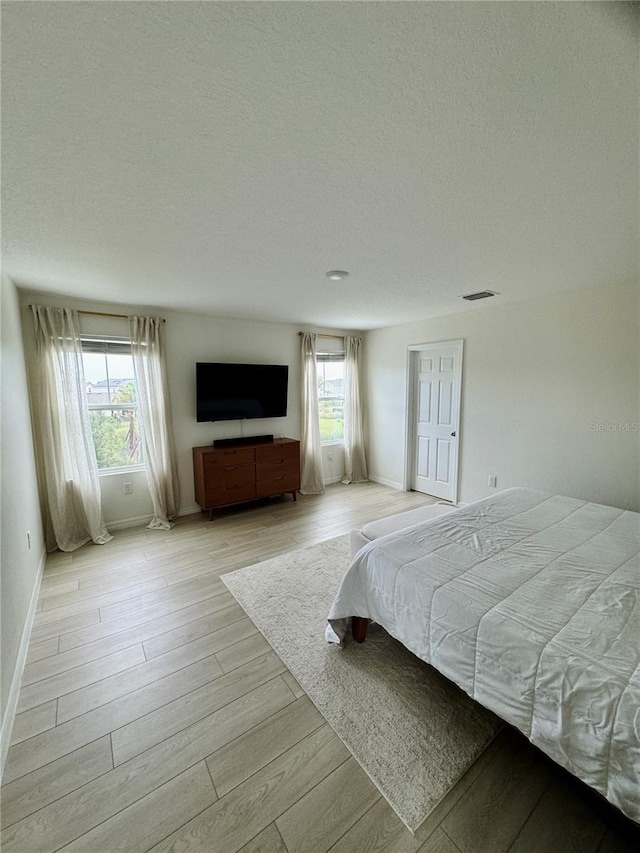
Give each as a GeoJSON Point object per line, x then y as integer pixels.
{"type": "Point", "coordinates": [336, 275]}
{"type": "Point", "coordinates": [481, 294]}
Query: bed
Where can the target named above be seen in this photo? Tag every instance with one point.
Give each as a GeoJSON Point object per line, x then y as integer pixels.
{"type": "Point", "coordinates": [530, 602]}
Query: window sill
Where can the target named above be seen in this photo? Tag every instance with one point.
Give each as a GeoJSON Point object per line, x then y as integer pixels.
{"type": "Point", "coordinates": [331, 442]}
{"type": "Point", "coordinates": [128, 469]}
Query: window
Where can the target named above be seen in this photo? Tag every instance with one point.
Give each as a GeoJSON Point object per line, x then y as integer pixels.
{"type": "Point", "coordinates": [330, 368]}
{"type": "Point", "coordinates": [112, 400]}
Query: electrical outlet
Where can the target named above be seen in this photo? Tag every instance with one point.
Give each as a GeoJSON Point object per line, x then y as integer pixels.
{"type": "Point", "coordinates": [493, 481]}
{"type": "Point", "coordinates": [128, 488]}
{"type": "Point", "coordinates": [29, 539]}
{"type": "Point", "coordinates": [330, 456]}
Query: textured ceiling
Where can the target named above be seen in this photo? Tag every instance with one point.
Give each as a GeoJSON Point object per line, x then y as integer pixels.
{"type": "Point", "coordinates": [222, 157]}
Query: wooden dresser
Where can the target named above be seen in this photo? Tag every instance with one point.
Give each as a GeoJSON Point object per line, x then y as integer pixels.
{"type": "Point", "coordinates": [235, 474]}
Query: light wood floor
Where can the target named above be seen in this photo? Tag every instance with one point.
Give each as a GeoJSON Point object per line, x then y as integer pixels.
{"type": "Point", "coordinates": [154, 716]}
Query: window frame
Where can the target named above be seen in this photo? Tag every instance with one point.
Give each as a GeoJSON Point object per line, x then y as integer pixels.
{"type": "Point", "coordinates": [335, 356]}
{"type": "Point", "coordinates": [119, 346]}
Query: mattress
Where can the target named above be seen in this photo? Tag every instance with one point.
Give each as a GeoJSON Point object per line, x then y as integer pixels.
{"type": "Point", "coordinates": [530, 602]}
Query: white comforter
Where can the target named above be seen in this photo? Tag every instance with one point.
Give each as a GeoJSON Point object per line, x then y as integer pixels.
{"type": "Point", "coordinates": [531, 603]}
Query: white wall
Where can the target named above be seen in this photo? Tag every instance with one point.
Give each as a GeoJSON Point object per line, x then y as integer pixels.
{"type": "Point", "coordinates": [191, 338]}
{"type": "Point", "coordinates": [198, 337]}
{"type": "Point", "coordinates": [537, 375]}
{"type": "Point", "coordinates": [20, 566]}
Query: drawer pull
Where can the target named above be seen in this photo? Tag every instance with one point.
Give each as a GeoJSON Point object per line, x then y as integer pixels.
{"type": "Point", "coordinates": [281, 477]}
{"type": "Point", "coordinates": [231, 468]}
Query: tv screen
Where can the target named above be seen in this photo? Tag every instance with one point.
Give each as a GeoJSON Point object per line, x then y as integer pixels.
{"type": "Point", "coordinates": [228, 392]}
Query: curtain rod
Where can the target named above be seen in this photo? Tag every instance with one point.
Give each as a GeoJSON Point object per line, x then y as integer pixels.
{"type": "Point", "coordinates": [337, 337]}
{"type": "Point", "coordinates": [106, 314]}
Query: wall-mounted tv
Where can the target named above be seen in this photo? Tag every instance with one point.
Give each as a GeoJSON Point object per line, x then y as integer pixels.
{"type": "Point", "coordinates": [229, 392]}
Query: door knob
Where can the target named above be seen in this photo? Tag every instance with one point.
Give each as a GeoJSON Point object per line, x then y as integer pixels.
{"type": "Point", "coordinates": [453, 434]}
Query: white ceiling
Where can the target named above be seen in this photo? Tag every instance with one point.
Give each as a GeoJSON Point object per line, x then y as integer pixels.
{"type": "Point", "coordinates": [221, 157]}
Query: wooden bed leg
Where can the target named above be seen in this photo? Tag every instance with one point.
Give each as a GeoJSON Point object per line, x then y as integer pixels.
{"type": "Point", "coordinates": [359, 627]}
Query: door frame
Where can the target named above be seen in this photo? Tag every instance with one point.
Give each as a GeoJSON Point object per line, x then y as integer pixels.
{"type": "Point", "coordinates": [411, 409]}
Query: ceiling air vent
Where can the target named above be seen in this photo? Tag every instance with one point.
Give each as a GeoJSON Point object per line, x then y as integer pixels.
{"type": "Point", "coordinates": [481, 294]}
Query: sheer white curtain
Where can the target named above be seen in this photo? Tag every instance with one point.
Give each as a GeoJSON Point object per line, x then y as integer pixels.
{"type": "Point", "coordinates": [65, 450]}
{"type": "Point", "coordinates": [311, 479]}
{"type": "Point", "coordinates": [355, 463]}
{"type": "Point", "coordinates": [155, 417]}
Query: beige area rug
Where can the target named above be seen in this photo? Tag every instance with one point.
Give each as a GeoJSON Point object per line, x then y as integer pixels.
{"type": "Point", "coordinates": [412, 731]}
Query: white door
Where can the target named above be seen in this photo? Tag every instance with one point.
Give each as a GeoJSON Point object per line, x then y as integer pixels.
{"type": "Point", "coordinates": [434, 412]}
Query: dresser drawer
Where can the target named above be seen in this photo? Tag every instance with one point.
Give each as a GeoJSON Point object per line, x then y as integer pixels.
{"type": "Point", "coordinates": [277, 485]}
{"type": "Point", "coordinates": [229, 475]}
{"type": "Point", "coordinates": [273, 452]}
{"type": "Point", "coordinates": [277, 469]}
{"type": "Point", "coordinates": [231, 494]}
{"type": "Point", "coordinates": [229, 456]}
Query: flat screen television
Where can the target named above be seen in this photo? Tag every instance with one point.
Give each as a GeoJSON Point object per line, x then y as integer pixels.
{"type": "Point", "coordinates": [229, 392]}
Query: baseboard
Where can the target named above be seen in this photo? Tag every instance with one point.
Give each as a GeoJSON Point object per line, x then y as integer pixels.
{"type": "Point", "coordinates": [123, 523]}
{"type": "Point", "coordinates": [143, 520]}
{"type": "Point", "coordinates": [189, 510]}
{"type": "Point", "coordinates": [383, 482]}
{"type": "Point", "coordinates": [14, 690]}
{"type": "Point", "coordinates": [329, 480]}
